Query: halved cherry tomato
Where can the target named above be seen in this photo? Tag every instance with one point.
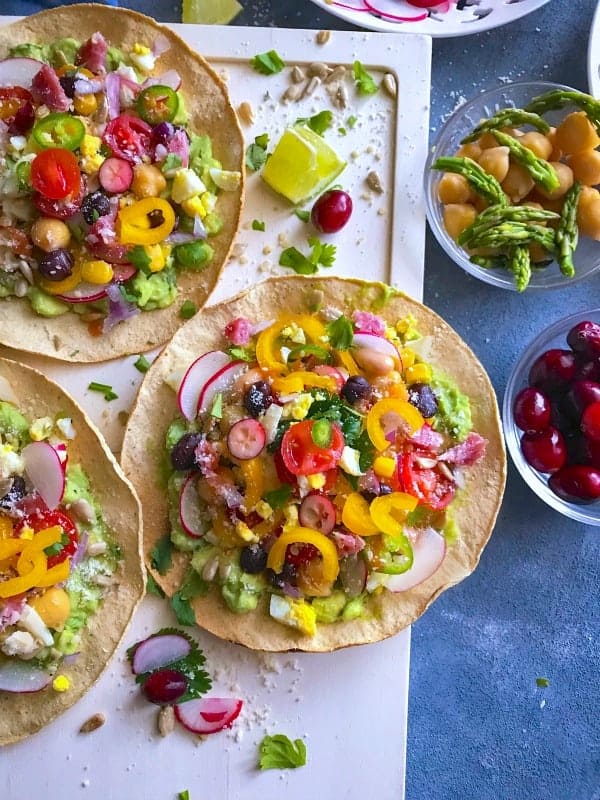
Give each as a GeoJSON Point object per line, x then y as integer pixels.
{"type": "Point", "coordinates": [55, 173]}
{"type": "Point", "coordinates": [429, 485]}
{"type": "Point", "coordinates": [283, 473]}
{"type": "Point", "coordinates": [16, 109]}
{"type": "Point", "coordinates": [44, 518]}
{"type": "Point", "coordinates": [128, 137]}
{"type": "Point", "coordinates": [61, 209]}
{"type": "Point", "coordinates": [302, 456]}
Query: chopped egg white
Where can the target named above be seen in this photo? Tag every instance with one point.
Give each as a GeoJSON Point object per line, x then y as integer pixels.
{"type": "Point", "coordinates": [294, 613]}
{"type": "Point", "coordinates": [31, 621]}
{"type": "Point", "coordinates": [186, 184]}
{"type": "Point", "coordinates": [350, 461]}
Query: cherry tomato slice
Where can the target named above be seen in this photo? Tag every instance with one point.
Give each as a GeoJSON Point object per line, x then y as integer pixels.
{"type": "Point", "coordinates": [128, 137]}
{"type": "Point", "coordinates": [302, 456]}
{"type": "Point", "coordinates": [430, 486]}
{"type": "Point", "coordinates": [44, 518]}
{"type": "Point", "coordinates": [61, 209]}
{"type": "Point", "coordinates": [16, 109]}
{"type": "Point", "coordinates": [55, 173]}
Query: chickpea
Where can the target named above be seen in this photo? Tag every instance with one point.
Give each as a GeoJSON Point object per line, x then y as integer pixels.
{"type": "Point", "coordinates": [469, 150]}
{"type": "Point", "coordinates": [588, 213]}
{"type": "Point", "coordinates": [457, 217]}
{"type": "Point", "coordinates": [565, 181]}
{"type": "Point", "coordinates": [518, 183]}
{"type": "Point", "coordinates": [539, 144]}
{"type": "Point", "coordinates": [487, 140]}
{"type": "Point", "coordinates": [576, 133]}
{"type": "Point", "coordinates": [53, 607]}
{"type": "Point", "coordinates": [454, 188]}
{"type": "Point", "coordinates": [557, 153]}
{"type": "Point", "coordinates": [495, 161]}
{"type": "Point", "coordinates": [50, 234]}
{"type": "Point", "coordinates": [586, 167]}
{"type": "Point", "coordinates": [148, 181]}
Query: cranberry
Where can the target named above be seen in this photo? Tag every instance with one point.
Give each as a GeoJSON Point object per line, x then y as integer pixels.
{"type": "Point", "coordinates": [576, 483]}
{"type": "Point", "coordinates": [552, 371]}
{"type": "Point", "coordinates": [580, 395]}
{"type": "Point", "coordinates": [578, 448]}
{"type": "Point", "coordinates": [299, 554]}
{"type": "Point", "coordinates": [165, 686]}
{"type": "Point", "coordinates": [590, 422]}
{"type": "Point", "coordinates": [585, 338]}
{"type": "Point", "coordinates": [531, 410]}
{"type": "Point", "coordinates": [545, 451]}
{"type": "Point", "coordinates": [589, 370]}
{"type": "Point", "coordinates": [331, 211]}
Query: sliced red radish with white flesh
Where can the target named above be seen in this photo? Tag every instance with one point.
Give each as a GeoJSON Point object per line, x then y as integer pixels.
{"type": "Point", "coordinates": [195, 379]}
{"type": "Point", "coordinates": [428, 553]}
{"type": "Point", "coordinates": [22, 677]}
{"type": "Point", "coordinates": [378, 344]}
{"type": "Point", "coordinates": [208, 714]}
{"type": "Point", "coordinates": [246, 439]}
{"type": "Point", "coordinates": [189, 508]}
{"type": "Point", "coordinates": [61, 450]}
{"type": "Point", "coordinates": [158, 651]}
{"type": "Point", "coordinates": [45, 471]}
{"type": "Point", "coordinates": [170, 78]}
{"type": "Point", "coordinates": [221, 382]}
{"type": "Point", "coordinates": [331, 372]}
{"type": "Point", "coordinates": [353, 575]}
{"type": "Point", "coordinates": [317, 512]}
{"type": "Point", "coordinates": [19, 71]}
{"type": "Point", "coordinates": [84, 293]}
{"type": "Point", "coordinates": [115, 175]}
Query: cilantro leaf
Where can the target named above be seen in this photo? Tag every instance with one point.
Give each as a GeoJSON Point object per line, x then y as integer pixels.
{"type": "Point", "coordinates": [292, 257]}
{"type": "Point", "coordinates": [364, 81]}
{"type": "Point", "coordinates": [139, 258]}
{"type": "Point", "coordinates": [262, 140]}
{"type": "Point", "coordinates": [54, 549]}
{"type": "Point", "coordinates": [279, 497]}
{"type": "Point", "coordinates": [302, 214]}
{"type": "Point", "coordinates": [258, 225]}
{"type": "Point", "coordinates": [187, 310]}
{"type": "Point", "coordinates": [279, 752]}
{"type": "Point", "coordinates": [142, 364]}
{"type": "Point", "coordinates": [340, 333]}
{"type": "Point", "coordinates": [256, 153]}
{"type": "Point", "coordinates": [242, 354]}
{"type": "Point", "coordinates": [152, 586]}
{"type": "Point", "coordinates": [323, 254]}
{"type": "Point", "coordinates": [171, 163]}
{"type": "Point", "coordinates": [342, 131]}
{"type": "Point", "coordinates": [319, 123]}
{"type": "Point", "coordinates": [161, 555]}
{"type": "Point", "coordinates": [193, 586]}
{"type": "Point", "coordinates": [185, 795]}
{"type": "Point", "coordinates": [351, 121]}
{"type": "Point", "coordinates": [269, 63]}
{"type": "Point", "coordinates": [183, 610]}
{"type": "Point", "coordinates": [217, 407]}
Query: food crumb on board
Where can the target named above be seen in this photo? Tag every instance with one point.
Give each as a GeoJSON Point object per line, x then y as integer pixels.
{"type": "Point", "coordinates": [93, 723]}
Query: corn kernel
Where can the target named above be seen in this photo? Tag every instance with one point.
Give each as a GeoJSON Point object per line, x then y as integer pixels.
{"type": "Point", "coordinates": [384, 466]}
{"type": "Point", "coordinates": [194, 207]}
{"type": "Point", "coordinates": [407, 356]}
{"type": "Point", "coordinates": [96, 272]}
{"type": "Point", "coordinates": [91, 164]}
{"type": "Point", "coordinates": [61, 683]}
{"type": "Point", "coordinates": [316, 481]}
{"type": "Point", "coordinates": [245, 533]}
{"type": "Point", "coordinates": [157, 257]}
{"type": "Point", "coordinates": [26, 533]}
{"type": "Point", "coordinates": [85, 104]}
{"type": "Point", "coordinates": [141, 49]}
{"type": "Point", "coordinates": [263, 509]}
{"type": "Point", "coordinates": [90, 145]}
{"type": "Point", "coordinates": [418, 373]}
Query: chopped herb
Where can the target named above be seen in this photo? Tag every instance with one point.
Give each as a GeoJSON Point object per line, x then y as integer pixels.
{"type": "Point", "coordinates": [279, 497]}
{"type": "Point", "coordinates": [183, 610]}
{"type": "Point", "coordinates": [321, 432]}
{"type": "Point", "coordinates": [262, 140]}
{"type": "Point", "coordinates": [269, 63]}
{"type": "Point", "coordinates": [542, 682]}
{"type": "Point", "coordinates": [364, 81]}
{"type": "Point", "coordinates": [217, 407]}
{"type": "Point", "coordinates": [342, 131]}
{"type": "Point", "coordinates": [161, 555]}
{"type": "Point", "coordinates": [171, 162]}
{"type": "Point", "coordinates": [185, 795]}
{"type": "Point", "coordinates": [303, 350]}
{"type": "Point", "coordinates": [351, 121]}
{"type": "Point", "coordinates": [103, 388]}
{"type": "Point", "coordinates": [256, 153]}
{"type": "Point", "coordinates": [142, 364]}
{"type": "Point", "coordinates": [187, 310]}
{"type": "Point", "coordinates": [242, 354]}
{"type": "Point", "coordinates": [95, 215]}
{"type": "Point", "coordinates": [152, 587]}
{"type": "Point", "coordinates": [54, 549]}
{"type": "Point", "coordinates": [258, 225]}
{"type": "Point", "coordinates": [319, 123]}
{"type": "Point", "coordinates": [73, 353]}
{"type": "Point", "coordinates": [281, 429]}
{"type": "Point", "coordinates": [321, 254]}
{"type": "Point", "coordinates": [279, 752]}
{"type": "Point", "coordinates": [139, 258]}
{"type": "Point", "coordinates": [302, 214]}
{"type": "Point", "coordinates": [340, 333]}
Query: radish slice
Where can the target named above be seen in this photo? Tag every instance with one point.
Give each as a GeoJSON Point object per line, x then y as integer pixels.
{"type": "Point", "coordinates": [43, 466]}
{"type": "Point", "coordinates": [84, 293]}
{"type": "Point", "coordinates": [331, 372]}
{"type": "Point", "coordinates": [189, 508]}
{"type": "Point", "coordinates": [353, 575]}
{"type": "Point", "coordinates": [158, 651]}
{"type": "Point", "coordinates": [195, 379]}
{"type": "Point", "coordinates": [170, 78]}
{"type": "Point", "coordinates": [61, 451]}
{"type": "Point", "coordinates": [428, 553]}
{"type": "Point", "coordinates": [122, 272]}
{"type": "Point", "coordinates": [115, 175]}
{"type": "Point", "coordinates": [221, 382]}
{"type": "Point", "coordinates": [377, 343]}
{"type": "Point", "coordinates": [209, 714]}
{"type": "Point", "coordinates": [22, 677]}
{"type": "Point", "coordinates": [317, 512]}
{"type": "Point", "coordinates": [246, 439]}
{"type": "Point", "coordinates": [19, 71]}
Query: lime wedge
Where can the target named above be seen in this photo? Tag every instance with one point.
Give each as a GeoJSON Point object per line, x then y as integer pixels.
{"type": "Point", "coordinates": [210, 12]}
{"type": "Point", "coordinates": [301, 165]}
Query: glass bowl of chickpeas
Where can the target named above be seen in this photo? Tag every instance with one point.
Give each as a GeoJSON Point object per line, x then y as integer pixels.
{"type": "Point", "coordinates": [511, 186]}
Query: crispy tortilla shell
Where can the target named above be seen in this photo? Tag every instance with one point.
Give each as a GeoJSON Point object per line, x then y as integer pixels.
{"type": "Point", "coordinates": [23, 714]}
{"type": "Point", "coordinates": [210, 112]}
{"type": "Point", "coordinates": [475, 510]}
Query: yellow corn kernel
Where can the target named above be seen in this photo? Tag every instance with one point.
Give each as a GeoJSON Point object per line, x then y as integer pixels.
{"type": "Point", "coordinates": [85, 105]}
{"type": "Point", "coordinates": [316, 481]}
{"type": "Point", "coordinates": [263, 509]}
{"type": "Point", "coordinates": [157, 257]}
{"type": "Point", "coordinates": [418, 373]}
{"type": "Point", "coordinates": [26, 533]}
{"type": "Point", "coordinates": [194, 207]}
{"type": "Point", "coordinates": [141, 49]}
{"type": "Point", "coordinates": [90, 145]}
{"type": "Point", "coordinates": [384, 466]}
{"type": "Point", "coordinates": [407, 356]}
{"type": "Point", "coordinates": [96, 272]}
{"type": "Point", "coordinates": [245, 533]}
{"type": "Point", "coordinates": [61, 683]}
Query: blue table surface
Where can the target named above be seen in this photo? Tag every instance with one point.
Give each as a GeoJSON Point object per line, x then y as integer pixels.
{"type": "Point", "coordinates": [479, 727]}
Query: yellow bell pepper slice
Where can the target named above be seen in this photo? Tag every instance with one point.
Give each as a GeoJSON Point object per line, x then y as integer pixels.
{"type": "Point", "coordinates": [133, 224]}
{"type": "Point", "coordinates": [299, 535]}
{"type": "Point", "coordinates": [252, 473]}
{"type": "Point", "coordinates": [345, 360]}
{"type": "Point", "coordinates": [356, 517]}
{"type": "Point", "coordinates": [56, 574]}
{"type": "Point", "coordinates": [300, 380]}
{"type": "Point", "coordinates": [14, 586]}
{"type": "Point", "coordinates": [391, 407]}
{"type": "Point", "coordinates": [66, 285]}
{"type": "Point", "coordinates": [390, 510]}
{"type": "Point", "coordinates": [267, 351]}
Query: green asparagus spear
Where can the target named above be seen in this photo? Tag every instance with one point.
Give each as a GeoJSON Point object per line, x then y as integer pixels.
{"type": "Point", "coordinates": [494, 215]}
{"type": "Point", "coordinates": [508, 118]}
{"type": "Point", "coordinates": [520, 266]}
{"type": "Point", "coordinates": [510, 234]}
{"type": "Point", "coordinates": [559, 98]}
{"type": "Point", "coordinates": [485, 185]}
{"type": "Point", "coordinates": [539, 169]}
{"type": "Point", "coordinates": [567, 233]}
{"type": "Point", "coordinates": [490, 262]}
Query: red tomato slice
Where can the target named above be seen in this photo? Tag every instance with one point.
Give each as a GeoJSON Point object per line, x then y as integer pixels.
{"type": "Point", "coordinates": [429, 485]}
{"type": "Point", "coordinates": [302, 456]}
{"type": "Point", "coordinates": [44, 518]}
{"type": "Point", "coordinates": [55, 173]}
{"type": "Point", "coordinates": [61, 209]}
{"type": "Point", "coordinates": [16, 109]}
{"type": "Point", "coordinates": [128, 137]}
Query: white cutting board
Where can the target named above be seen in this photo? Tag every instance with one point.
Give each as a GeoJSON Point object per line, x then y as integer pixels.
{"type": "Point", "coordinates": [349, 706]}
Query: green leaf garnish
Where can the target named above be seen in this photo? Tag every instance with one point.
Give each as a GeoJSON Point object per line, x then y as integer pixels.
{"type": "Point", "coordinates": [183, 610]}
{"type": "Point", "coordinates": [364, 81]}
{"type": "Point", "coordinates": [351, 121]}
{"type": "Point", "coordinates": [171, 162]}
{"type": "Point", "coordinates": [321, 254]}
{"type": "Point", "coordinates": [187, 310]}
{"type": "Point", "coordinates": [142, 364]}
{"type": "Point", "coordinates": [161, 555]}
{"type": "Point", "coordinates": [258, 225]}
{"type": "Point", "coordinates": [54, 549]}
{"type": "Point", "coordinates": [279, 497]}
{"type": "Point", "coordinates": [342, 131]}
{"type": "Point", "coordinates": [139, 258]}
{"type": "Point", "coordinates": [542, 682]}
{"type": "Point", "coordinates": [279, 752]}
{"type": "Point", "coordinates": [319, 123]}
{"type": "Point", "coordinates": [269, 63]}
{"type": "Point", "coordinates": [302, 214]}
{"type": "Point", "coordinates": [217, 407]}
{"type": "Point", "coordinates": [303, 350]}
{"type": "Point", "coordinates": [152, 587]}
{"type": "Point", "coordinates": [340, 333]}
{"type": "Point", "coordinates": [103, 388]}
{"type": "Point", "coordinates": [256, 153]}
{"type": "Point", "coordinates": [185, 795]}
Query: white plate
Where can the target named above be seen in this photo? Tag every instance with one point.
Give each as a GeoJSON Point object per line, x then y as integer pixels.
{"type": "Point", "coordinates": [594, 55]}
{"type": "Point", "coordinates": [336, 702]}
{"type": "Point", "coordinates": [448, 18]}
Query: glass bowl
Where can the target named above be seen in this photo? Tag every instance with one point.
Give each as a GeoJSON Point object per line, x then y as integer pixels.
{"type": "Point", "coordinates": [553, 336]}
{"type": "Point", "coordinates": [461, 123]}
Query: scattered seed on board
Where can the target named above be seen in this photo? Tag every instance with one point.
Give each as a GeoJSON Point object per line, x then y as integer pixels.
{"type": "Point", "coordinates": [93, 723]}
{"type": "Point", "coordinates": [297, 75]}
{"type": "Point", "coordinates": [340, 98]}
{"type": "Point", "coordinates": [389, 84]}
{"type": "Point", "coordinates": [166, 720]}
{"type": "Point", "coordinates": [312, 86]}
{"type": "Point", "coordinates": [323, 37]}
{"type": "Point", "coordinates": [293, 92]}
{"type": "Point", "coordinates": [337, 74]}
{"type": "Point", "coordinates": [374, 182]}
{"type": "Point", "coordinates": [319, 69]}
{"type": "Point", "coordinates": [246, 113]}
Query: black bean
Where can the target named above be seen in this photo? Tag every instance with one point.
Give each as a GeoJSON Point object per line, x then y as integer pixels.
{"type": "Point", "coordinates": [253, 559]}
{"type": "Point", "coordinates": [356, 388]}
{"type": "Point", "coordinates": [56, 265]}
{"type": "Point", "coordinates": [258, 398]}
{"type": "Point", "coordinates": [182, 454]}
{"type": "Point", "coordinates": [421, 396]}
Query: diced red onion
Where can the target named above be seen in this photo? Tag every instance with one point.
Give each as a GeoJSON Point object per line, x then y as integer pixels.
{"type": "Point", "coordinates": [119, 309]}
{"type": "Point", "coordinates": [199, 230]}
{"type": "Point", "coordinates": [180, 237]}
{"type": "Point", "coordinates": [170, 78]}
{"type": "Point", "coordinates": [113, 86]}
{"type": "Point", "coordinates": [87, 86]}
{"type": "Point", "coordinates": [160, 45]}
{"type": "Point", "coordinates": [80, 552]}
{"type": "Point", "coordinates": [262, 326]}
{"type": "Point", "coordinates": [289, 590]}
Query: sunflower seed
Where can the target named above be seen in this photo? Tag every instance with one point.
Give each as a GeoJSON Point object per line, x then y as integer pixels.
{"type": "Point", "coordinates": [297, 75]}
{"type": "Point", "coordinates": [93, 723]}
{"type": "Point", "coordinates": [389, 84]}
{"type": "Point", "coordinates": [318, 69]}
{"type": "Point", "coordinates": [337, 74]}
{"type": "Point", "coordinates": [312, 86]}
{"type": "Point", "coordinates": [166, 720]}
{"type": "Point", "coordinates": [374, 182]}
{"type": "Point", "coordinates": [246, 113]}
{"type": "Point", "coordinates": [340, 98]}
{"type": "Point", "coordinates": [323, 37]}
{"type": "Point", "coordinates": [293, 92]}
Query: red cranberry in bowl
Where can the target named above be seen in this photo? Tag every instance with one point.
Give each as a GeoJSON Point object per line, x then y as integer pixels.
{"type": "Point", "coordinates": [553, 370]}
{"type": "Point", "coordinates": [576, 483]}
{"type": "Point", "coordinates": [590, 422]}
{"type": "Point", "coordinates": [588, 370]}
{"type": "Point", "coordinates": [585, 338]}
{"type": "Point", "coordinates": [545, 451]}
{"type": "Point", "coordinates": [531, 410]}
{"type": "Point", "coordinates": [580, 396]}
